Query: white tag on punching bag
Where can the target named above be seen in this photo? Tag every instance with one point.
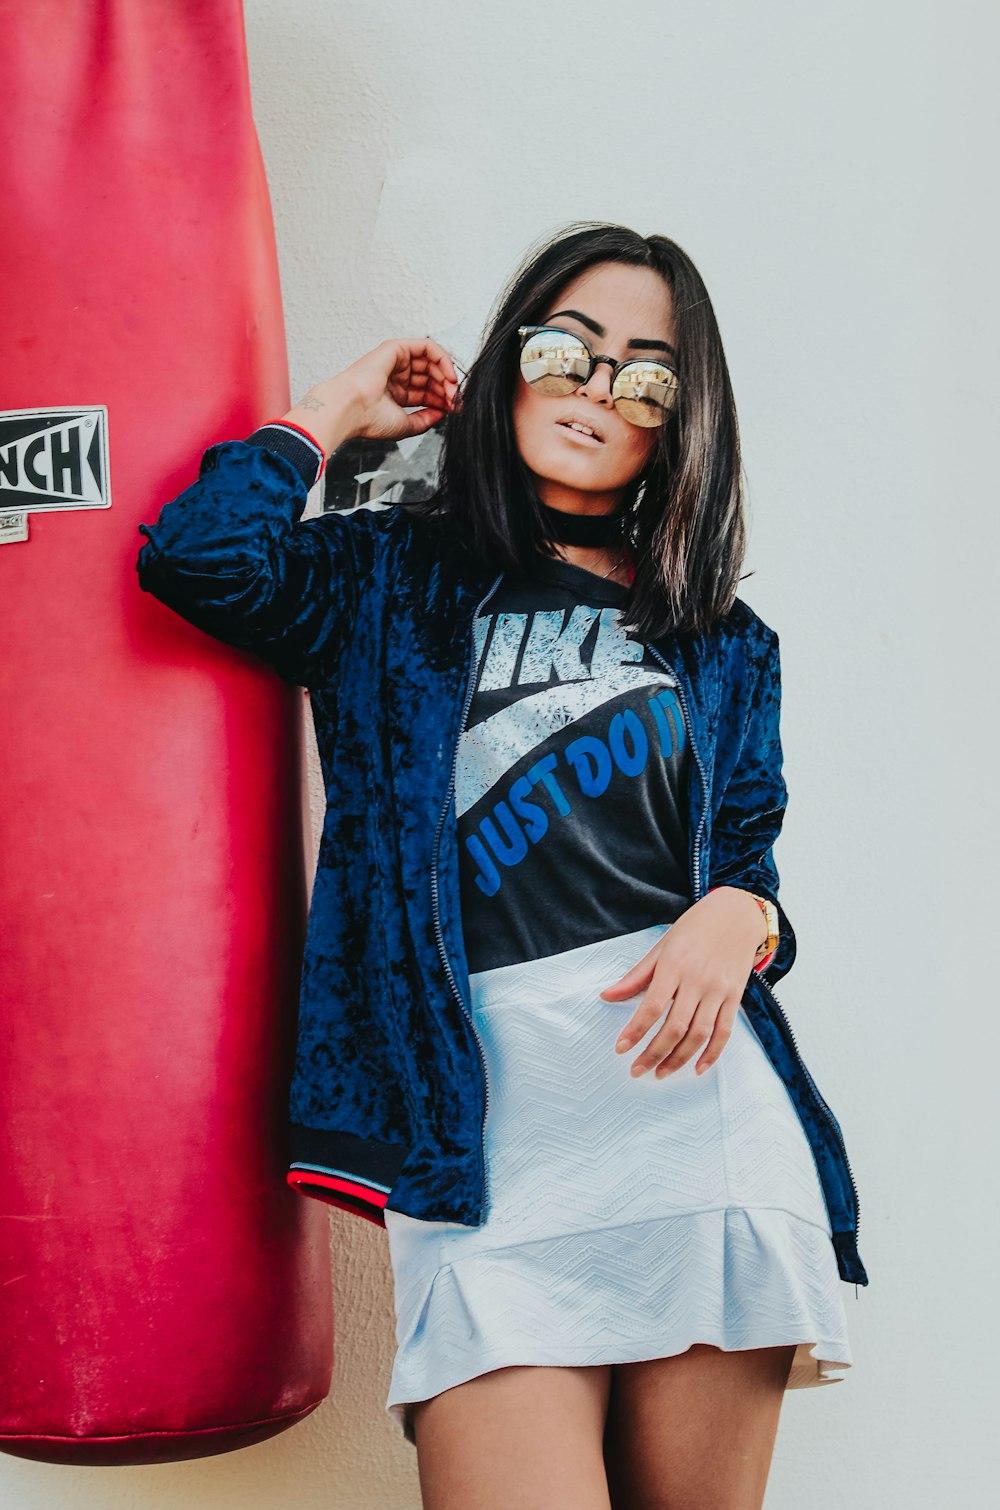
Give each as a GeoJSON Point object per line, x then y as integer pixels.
{"type": "Point", "coordinates": [13, 527]}
{"type": "Point", "coordinates": [53, 459]}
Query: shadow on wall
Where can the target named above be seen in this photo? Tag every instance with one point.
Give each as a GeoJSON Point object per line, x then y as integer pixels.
{"type": "Point", "coordinates": [383, 471]}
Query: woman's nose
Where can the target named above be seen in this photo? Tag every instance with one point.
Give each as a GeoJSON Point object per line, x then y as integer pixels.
{"type": "Point", "coordinates": [598, 385]}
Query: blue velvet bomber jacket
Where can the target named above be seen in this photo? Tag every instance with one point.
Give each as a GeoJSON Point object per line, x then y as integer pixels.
{"type": "Point", "coordinates": [372, 612]}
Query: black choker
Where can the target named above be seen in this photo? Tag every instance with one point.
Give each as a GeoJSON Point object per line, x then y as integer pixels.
{"type": "Point", "coordinates": [583, 529]}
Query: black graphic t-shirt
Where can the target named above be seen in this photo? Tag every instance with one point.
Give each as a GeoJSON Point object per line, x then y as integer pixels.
{"type": "Point", "coordinates": [572, 768]}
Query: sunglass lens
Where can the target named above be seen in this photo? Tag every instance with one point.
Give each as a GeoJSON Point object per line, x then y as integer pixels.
{"type": "Point", "coordinates": [644, 393]}
{"type": "Point", "coordinates": [554, 362]}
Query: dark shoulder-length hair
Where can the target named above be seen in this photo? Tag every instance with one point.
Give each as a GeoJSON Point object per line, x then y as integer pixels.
{"type": "Point", "coordinates": [685, 520]}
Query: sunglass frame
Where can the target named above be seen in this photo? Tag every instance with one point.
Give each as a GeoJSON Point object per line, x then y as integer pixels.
{"type": "Point", "coordinates": [525, 332]}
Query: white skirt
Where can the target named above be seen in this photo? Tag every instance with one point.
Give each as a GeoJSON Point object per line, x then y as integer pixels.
{"type": "Point", "coordinates": [627, 1218]}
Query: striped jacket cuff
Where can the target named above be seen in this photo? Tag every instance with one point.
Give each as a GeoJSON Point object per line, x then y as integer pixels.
{"type": "Point", "coordinates": [295, 444]}
{"type": "Point", "coordinates": [343, 1169]}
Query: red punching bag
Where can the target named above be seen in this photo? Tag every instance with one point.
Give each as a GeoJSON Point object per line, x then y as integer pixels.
{"type": "Point", "coordinates": [163, 1293]}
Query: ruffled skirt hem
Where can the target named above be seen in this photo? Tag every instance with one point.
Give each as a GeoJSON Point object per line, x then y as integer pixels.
{"type": "Point", "coordinates": [730, 1277]}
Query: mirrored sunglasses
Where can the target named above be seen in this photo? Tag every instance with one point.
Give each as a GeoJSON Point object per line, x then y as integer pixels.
{"type": "Point", "coordinates": [556, 362]}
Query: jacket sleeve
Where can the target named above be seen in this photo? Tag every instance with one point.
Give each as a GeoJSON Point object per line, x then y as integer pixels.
{"type": "Point", "coordinates": [232, 555]}
{"type": "Point", "coordinates": [752, 809]}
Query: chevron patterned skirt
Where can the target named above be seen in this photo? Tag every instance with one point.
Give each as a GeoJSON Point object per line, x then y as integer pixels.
{"type": "Point", "coordinates": [627, 1218]}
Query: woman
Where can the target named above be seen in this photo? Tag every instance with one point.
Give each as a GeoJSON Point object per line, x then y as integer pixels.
{"type": "Point", "coordinates": [618, 1208]}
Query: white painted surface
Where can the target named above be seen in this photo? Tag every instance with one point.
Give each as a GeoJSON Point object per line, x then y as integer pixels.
{"type": "Point", "coordinates": [831, 174]}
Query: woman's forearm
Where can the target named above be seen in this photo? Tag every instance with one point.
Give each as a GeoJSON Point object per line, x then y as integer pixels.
{"type": "Point", "coordinates": [329, 411]}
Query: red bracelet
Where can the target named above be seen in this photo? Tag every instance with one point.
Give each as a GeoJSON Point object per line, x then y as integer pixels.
{"type": "Point", "coordinates": [293, 426]}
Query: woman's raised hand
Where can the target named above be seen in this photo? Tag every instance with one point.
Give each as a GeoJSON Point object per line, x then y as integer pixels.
{"type": "Point", "coordinates": [399, 375]}
{"type": "Point", "coordinates": [369, 399]}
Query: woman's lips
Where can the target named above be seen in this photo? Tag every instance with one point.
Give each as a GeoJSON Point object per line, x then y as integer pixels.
{"type": "Point", "coordinates": [586, 440]}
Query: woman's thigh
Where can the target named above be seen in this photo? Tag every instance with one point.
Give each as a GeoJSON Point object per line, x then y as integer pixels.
{"type": "Point", "coordinates": [530, 1436]}
{"type": "Point", "coordinates": [695, 1431]}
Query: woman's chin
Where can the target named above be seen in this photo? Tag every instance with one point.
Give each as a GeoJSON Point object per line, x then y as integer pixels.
{"type": "Point", "coordinates": [580, 479]}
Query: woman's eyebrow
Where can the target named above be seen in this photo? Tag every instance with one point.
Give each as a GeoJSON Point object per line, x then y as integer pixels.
{"type": "Point", "coordinates": [599, 330]}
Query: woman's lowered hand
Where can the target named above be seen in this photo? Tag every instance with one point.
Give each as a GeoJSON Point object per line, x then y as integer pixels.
{"type": "Point", "coordinates": [693, 977]}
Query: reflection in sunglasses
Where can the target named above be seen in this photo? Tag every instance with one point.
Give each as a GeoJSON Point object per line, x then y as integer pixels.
{"type": "Point", "coordinates": [556, 361]}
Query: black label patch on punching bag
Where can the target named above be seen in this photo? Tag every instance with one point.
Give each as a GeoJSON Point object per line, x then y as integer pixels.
{"type": "Point", "coordinates": [54, 459]}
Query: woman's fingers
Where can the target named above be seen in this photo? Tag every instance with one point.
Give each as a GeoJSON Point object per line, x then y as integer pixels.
{"type": "Point", "coordinates": [440, 360]}
{"type": "Point", "coordinates": [429, 386]}
{"type": "Point", "coordinates": [721, 1034]}
{"type": "Point", "coordinates": [659, 992]}
{"type": "Point", "coordinates": [421, 361]}
{"type": "Point", "coordinates": [656, 1001]}
{"type": "Point", "coordinates": [699, 1032]}
{"type": "Point", "coordinates": [680, 1012]}
{"type": "Point", "coordinates": [709, 1026]}
{"type": "Point", "coordinates": [423, 392]}
{"type": "Point", "coordinates": [422, 377]}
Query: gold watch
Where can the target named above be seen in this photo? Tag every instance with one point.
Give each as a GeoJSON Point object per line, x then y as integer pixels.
{"type": "Point", "coordinates": [771, 915]}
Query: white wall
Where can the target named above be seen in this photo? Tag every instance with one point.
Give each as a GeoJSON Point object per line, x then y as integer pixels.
{"type": "Point", "coordinates": [830, 171]}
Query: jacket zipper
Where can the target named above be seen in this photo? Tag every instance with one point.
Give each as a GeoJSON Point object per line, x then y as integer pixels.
{"type": "Point", "coordinates": [696, 879]}
{"type": "Point", "coordinates": [470, 687]}
{"type": "Point", "coordinates": [820, 1103]}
